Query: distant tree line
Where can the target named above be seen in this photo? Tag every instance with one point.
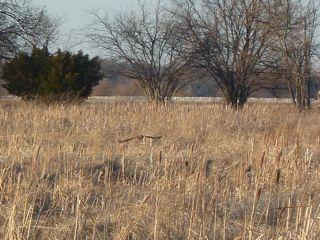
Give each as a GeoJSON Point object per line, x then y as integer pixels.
{"type": "Point", "coordinates": [236, 42]}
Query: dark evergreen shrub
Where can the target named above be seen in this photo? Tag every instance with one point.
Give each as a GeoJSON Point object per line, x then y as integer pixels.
{"type": "Point", "coordinates": [61, 76]}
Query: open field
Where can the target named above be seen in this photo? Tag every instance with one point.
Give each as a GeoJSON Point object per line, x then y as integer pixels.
{"type": "Point", "coordinates": [216, 173]}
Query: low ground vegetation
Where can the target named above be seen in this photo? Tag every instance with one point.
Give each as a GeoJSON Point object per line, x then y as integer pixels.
{"type": "Point", "coordinates": [215, 173]}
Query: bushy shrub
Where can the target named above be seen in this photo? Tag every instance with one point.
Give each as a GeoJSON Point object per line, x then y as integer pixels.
{"type": "Point", "coordinates": [61, 76]}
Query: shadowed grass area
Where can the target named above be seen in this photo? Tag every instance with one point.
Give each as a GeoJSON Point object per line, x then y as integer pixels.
{"type": "Point", "coordinates": [216, 173]}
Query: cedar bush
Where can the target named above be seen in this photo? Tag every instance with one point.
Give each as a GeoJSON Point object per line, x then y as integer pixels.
{"type": "Point", "coordinates": [61, 76]}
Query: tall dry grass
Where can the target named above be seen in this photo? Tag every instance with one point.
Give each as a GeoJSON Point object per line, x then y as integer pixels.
{"type": "Point", "coordinates": [215, 174]}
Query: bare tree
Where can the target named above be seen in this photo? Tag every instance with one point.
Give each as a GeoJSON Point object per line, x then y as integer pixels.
{"type": "Point", "coordinates": [228, 38]}
{"type": "Point", "coordinates": [294, 24]}
{"type": "Point", "coordinates": [149, 43]}
{"type": "Point", "coordinates": [23, 26]}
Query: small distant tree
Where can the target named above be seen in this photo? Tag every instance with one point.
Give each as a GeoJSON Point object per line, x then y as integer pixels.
{"type": "Point", "coordinates": [149, 43]}
{"type": "Point", "coordinates": [62, 76]}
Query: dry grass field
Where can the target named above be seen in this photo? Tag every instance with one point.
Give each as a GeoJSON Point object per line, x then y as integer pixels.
{"type": "Point", "coordinates": [216, 173]}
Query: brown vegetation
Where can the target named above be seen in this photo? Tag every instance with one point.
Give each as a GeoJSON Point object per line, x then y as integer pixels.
{"type": "Point", "coordinates": [216, 173]}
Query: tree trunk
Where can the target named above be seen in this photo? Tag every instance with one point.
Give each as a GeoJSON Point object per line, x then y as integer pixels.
{"type": "Point", "coordinates": [237, 96]}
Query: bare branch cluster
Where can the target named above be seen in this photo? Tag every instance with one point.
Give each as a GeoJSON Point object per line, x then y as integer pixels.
{"type": "Point", "coordinates": [294, 25]}
{"type": "Point", "coordinates": [149, 43]}
{"type": "Point", "coordinates": [23, 26]}
{"type": "Point", "coordinates": [230, 39]}
{"type": "Point", "coordinates": [237, 42]}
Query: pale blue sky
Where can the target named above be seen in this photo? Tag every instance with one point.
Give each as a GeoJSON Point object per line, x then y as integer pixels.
{"type": "Point", "coordinates": [75, 11]}
{"type": "Point", "coordinates": [74, 15]}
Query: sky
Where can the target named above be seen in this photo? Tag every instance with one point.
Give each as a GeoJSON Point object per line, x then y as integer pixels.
{"type": "Point", "coordinates": [74, 16]}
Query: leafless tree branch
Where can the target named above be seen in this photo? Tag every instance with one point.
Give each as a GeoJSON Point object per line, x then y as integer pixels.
{"type": "Point", "coordinates": [149, 43]}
